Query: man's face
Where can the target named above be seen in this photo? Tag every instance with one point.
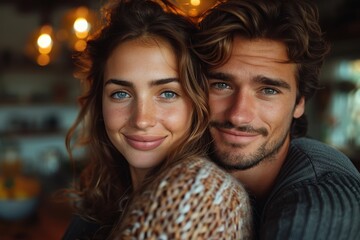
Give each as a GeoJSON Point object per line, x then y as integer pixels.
{"type": "Point", "coordinates": [253, 101]}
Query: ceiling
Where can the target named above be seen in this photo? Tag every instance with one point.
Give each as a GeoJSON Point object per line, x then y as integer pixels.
{"type": "Point", "coordinates": [340, 19]}
{"type": "Point", "coordinates": [44, 8]}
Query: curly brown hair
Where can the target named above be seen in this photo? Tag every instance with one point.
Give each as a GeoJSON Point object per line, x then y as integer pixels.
{"type": "Point", "coordinates": [106, 177]}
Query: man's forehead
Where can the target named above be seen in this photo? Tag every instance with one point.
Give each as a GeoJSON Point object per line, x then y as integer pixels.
{"type": "Point", "coordinates": [266, 49]}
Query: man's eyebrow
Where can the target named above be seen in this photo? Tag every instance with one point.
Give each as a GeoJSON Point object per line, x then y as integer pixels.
{"type": "Point", "coordinates": [258, 79]}
{"type": "Point", "coordinates": [219, 76]}
{"type": "Point", "coordinates": [272, 82]}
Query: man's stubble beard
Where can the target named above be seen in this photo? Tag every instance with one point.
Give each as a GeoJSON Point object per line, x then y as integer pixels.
{"type": "Point", "coordinates": [240, 161]}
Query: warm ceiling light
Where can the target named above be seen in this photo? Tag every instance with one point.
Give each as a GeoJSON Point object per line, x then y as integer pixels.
{"type": "Point", "coordinates": [194, 8]}
{"type": "Point", "coordinates": [44, 41]}
{"type": "Point", "coordinates": [41, 45]}
{"type": "Point", "coordinates": [195, 2]}
{"type": "Point", "coordinates": [77, 25]}
{"type": "Point", "coordinates": [81, 25]}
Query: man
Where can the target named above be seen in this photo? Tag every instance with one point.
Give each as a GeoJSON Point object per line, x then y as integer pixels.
{"type": "Point", "coordinates": [263, 59]}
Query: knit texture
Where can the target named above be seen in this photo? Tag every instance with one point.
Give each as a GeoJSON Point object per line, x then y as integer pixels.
{"type": "Point", "coordinates": [195, 200]}
{"type": "Point", "coordinates": [316, 196]}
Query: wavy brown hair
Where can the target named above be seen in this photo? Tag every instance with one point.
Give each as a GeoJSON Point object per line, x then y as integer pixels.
{"type": "Point", "coordinates": [106, 176]}
{"type": "Point", "coordinates": [292, 22]}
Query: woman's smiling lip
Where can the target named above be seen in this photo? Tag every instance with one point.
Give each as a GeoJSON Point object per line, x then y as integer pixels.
{"type": "Point", "coordinates": [144, 143]}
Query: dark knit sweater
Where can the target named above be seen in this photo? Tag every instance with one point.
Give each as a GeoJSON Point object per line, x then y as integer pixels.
{"type": "Point", "coordinates": [316, 196]}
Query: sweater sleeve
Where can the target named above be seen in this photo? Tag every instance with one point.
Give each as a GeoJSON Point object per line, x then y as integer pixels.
{"type": "Point", "coordinates": [195, 200]}
{"type": "Point", "coordinates": [328, 209]}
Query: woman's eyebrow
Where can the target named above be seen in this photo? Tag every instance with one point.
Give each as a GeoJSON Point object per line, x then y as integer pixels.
{"type": "Point", "coordinates": [163, 81]}
{"type": "Point", "coordinates": [119, 82]}
{"type": "Point", "coordinates": [130, 84]}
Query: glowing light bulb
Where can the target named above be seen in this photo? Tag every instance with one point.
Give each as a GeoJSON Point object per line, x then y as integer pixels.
{"type": "Point", "coordinates": [81, 25]}
{"type": "Point", "coordinates": [44, 41]}
{"type": "Point", "coordinates": [195, 2]}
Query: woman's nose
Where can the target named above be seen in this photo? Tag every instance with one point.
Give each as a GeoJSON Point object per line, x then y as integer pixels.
{"type": "Point", "coordinates": [144, 114]}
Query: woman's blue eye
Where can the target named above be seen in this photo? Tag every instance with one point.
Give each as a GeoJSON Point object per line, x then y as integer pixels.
{"type": "Point", "coordinates": [168, 95]}
{"type": "Point", "coordinates": [120, 95]}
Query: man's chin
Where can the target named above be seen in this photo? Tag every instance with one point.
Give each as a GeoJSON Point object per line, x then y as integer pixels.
{"type": "Point", "coordinates": [232, 162]}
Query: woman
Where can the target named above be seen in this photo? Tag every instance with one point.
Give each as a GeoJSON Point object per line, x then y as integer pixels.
{"type": "Point", "coordinates": [143, 114]}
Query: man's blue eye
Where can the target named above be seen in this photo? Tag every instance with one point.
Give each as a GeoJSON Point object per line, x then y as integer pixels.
{"type": "Point", "coordinates": [220, 85]}
{"type": "Point", "coordinates": [120, 95]}
{"type": "Point", "coordinates": [270, 91]}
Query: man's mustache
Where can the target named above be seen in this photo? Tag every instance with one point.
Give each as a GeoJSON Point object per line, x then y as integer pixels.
{"type": "Point", "coordinates": [243, 128]}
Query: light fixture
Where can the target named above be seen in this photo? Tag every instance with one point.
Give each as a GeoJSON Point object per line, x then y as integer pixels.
{"type": "Point", "coordinates": [193, 8]}
{"type": "Point", "coordinates": [46, 43]}
{"type": "Point", "coordinates": [45, 40]}
{"type": "Point", "coordinates": [76, 27]}
{"type": "Point", "coordinates": [40, 46]}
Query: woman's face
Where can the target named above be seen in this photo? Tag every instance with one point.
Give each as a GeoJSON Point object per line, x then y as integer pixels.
{"type": "Point", "coordinates": [146, 111]}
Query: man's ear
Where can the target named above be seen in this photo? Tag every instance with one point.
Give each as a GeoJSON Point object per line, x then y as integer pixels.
{"type": "Point", "coordinates": [299, 108]}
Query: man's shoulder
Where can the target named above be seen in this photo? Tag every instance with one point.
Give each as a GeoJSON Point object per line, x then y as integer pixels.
{"type": "Point", "coordinates": [310, 164]}
{"type": "Point", "coordinates": [327, 208]}
{"type": "Point", "coordinates": [315, 149]}
{"type": "Point", "coordinates": [312, 187]}
{"type": "Point", "coordinates": [311, 157]}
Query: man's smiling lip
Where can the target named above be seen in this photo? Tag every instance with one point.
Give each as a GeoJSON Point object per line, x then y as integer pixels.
{"type": "Point", "coordinates": [144, 143]}
{"type": "Point", "coordinates": [237, 133]}
{"type": "Point", "coordinates": [235, 136]}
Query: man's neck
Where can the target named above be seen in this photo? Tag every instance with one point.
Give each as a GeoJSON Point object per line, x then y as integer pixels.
{"type": "Point", "coordinates": [260, 179]}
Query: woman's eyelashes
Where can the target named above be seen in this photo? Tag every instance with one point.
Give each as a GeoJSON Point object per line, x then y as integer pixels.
{"type": "Point", "coordinates": [169, 95]}
{"type": "Point", "coordinates": [120, 95]}
{"type": "Point", "coordinates": [166, 95]}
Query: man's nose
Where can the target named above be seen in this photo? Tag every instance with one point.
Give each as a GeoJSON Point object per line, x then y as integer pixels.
{"type": "Point", "coordinates": [242, 108]}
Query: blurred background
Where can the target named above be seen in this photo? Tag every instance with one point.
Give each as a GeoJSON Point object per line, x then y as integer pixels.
{"type": "Point", "coordinates": [38, 101]}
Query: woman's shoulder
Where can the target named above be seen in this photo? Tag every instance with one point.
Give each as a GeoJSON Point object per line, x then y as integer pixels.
{"type": "Point", "coordinates": [196, 199]}
{"type": "Point", "coordinates": [200, 172]}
